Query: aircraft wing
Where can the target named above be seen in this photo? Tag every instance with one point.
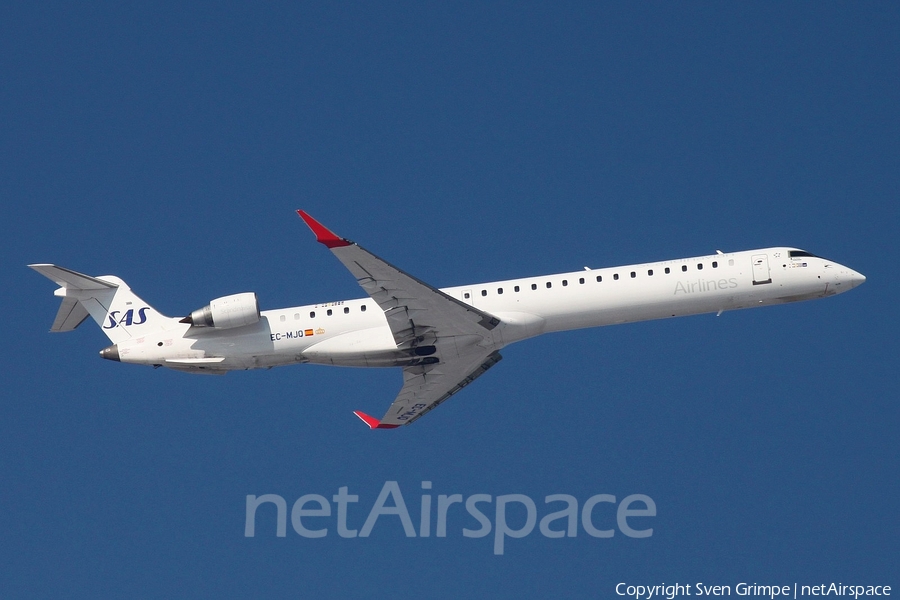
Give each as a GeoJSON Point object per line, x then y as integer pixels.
{"type": "Point", "coordinates": [423, 320]}
{"type": "Point", "coordinates": [414, 309]}
{"type": "Point", "coordinates": [426, 387]}
{"type": "Point", "coordinates": [416, 312]}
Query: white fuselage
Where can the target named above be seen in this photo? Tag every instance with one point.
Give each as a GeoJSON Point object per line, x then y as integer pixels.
{"type": "Point", "coordinates": [356, 332]}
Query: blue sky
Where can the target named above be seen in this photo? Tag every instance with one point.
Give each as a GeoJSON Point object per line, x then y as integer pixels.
{"type": "Point", "coordinates": [170, 145]}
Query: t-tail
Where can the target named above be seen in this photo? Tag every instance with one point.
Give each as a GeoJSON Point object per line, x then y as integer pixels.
{"type": "Point", "coordinates": [107, 299]}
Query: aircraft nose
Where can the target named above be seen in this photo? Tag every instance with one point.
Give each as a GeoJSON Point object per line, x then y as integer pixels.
{"type": "Point", "coordinates": [110, 353]}
{"type": "Point", "coordinates": [856, 278]}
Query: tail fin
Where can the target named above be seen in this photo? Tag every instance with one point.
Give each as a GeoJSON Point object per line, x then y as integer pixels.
{"type": "Point", "coordinates": [109, 300]}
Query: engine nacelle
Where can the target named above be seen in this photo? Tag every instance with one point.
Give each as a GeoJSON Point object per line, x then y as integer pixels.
{"type": "Point", "coordinates": [227, 312]}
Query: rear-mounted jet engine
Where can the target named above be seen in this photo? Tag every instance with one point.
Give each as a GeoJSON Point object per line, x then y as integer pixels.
{"type": "Point", "coordinates": [226, 312]}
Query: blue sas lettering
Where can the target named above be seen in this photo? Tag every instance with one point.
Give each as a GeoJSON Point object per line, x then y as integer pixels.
{"type": "Point", "coordinates": [127, 318]}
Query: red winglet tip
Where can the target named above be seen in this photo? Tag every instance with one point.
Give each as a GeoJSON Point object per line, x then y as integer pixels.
{"type": "Point", "coordinates": [323, 234]}
{"type": "Point", "coordinates": [372, 422]}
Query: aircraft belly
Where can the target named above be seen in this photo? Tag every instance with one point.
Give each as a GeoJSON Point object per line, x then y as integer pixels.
{"type": "Point", "coordinates": [366, 347]}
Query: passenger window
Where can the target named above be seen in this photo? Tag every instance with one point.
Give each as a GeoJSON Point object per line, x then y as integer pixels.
{"type": "Point", "coordinates": [616, 276]}
{"type": "Point", "coordinates": [699, 266]}
{"type": "Point", "coordinates": [599, 278]}
{"type": "Point", "coordinates": [548, 285]}
{"type": "Point", "coordinates": [730, 262]}
{"type": "Point", "coordinates": [312, 315]}
{"type": "Point", "coordinates": [282, 318]}
{"type": "Point", "coordinates": [534, 286]}
{"type": "Point", "coordinates": [565, 283]}
{"type": "Point", "coordinates": [668, 270]}
{"type": "Point", "coordinates": [633, 274]}
{"type": "Point", "coordinates": [715, 265]}
{"type": "Point", "coordinates": [650, 272]}
{"type": "Point", "coordinates": [516, 288]}
{"type": "Point", "coordinates": [296, 316]}
{"type": "Point", "coordinates": [484, 292]}
{"type": "Point", "coordinates": [329, 312]}
{"type": "Point", "coordinates": [499, 290]}
{"type": "Point", "coordinates": [466, 295]}
{"type": "Point", "coordinates": [346, 310]}
{"type": "Point", "coordinates": [581, 280]}
{"type": "Point", "coordinates": [684, 267]}
{"type": "Point", "coordinates": [363, 308]}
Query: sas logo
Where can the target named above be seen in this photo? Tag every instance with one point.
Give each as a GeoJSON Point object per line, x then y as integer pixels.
{"type": "Point", "coordinates": [117, 317]}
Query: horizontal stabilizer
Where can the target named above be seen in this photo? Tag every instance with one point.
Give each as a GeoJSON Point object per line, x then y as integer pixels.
{"type": "Point", "coordinates": [70, 279]}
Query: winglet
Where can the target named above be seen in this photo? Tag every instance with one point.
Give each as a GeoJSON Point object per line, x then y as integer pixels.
{"type": "Point", "coordinates": [323, 234]}
{"type": "Point", "coordinates": [372, 422]}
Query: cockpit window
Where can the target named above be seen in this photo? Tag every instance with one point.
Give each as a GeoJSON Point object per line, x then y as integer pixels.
{"type": "Point", "coordinates": [800, 254]}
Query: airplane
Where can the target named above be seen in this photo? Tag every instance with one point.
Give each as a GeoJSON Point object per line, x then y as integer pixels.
{"type": "Point", "coordinates": [442, 339]}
